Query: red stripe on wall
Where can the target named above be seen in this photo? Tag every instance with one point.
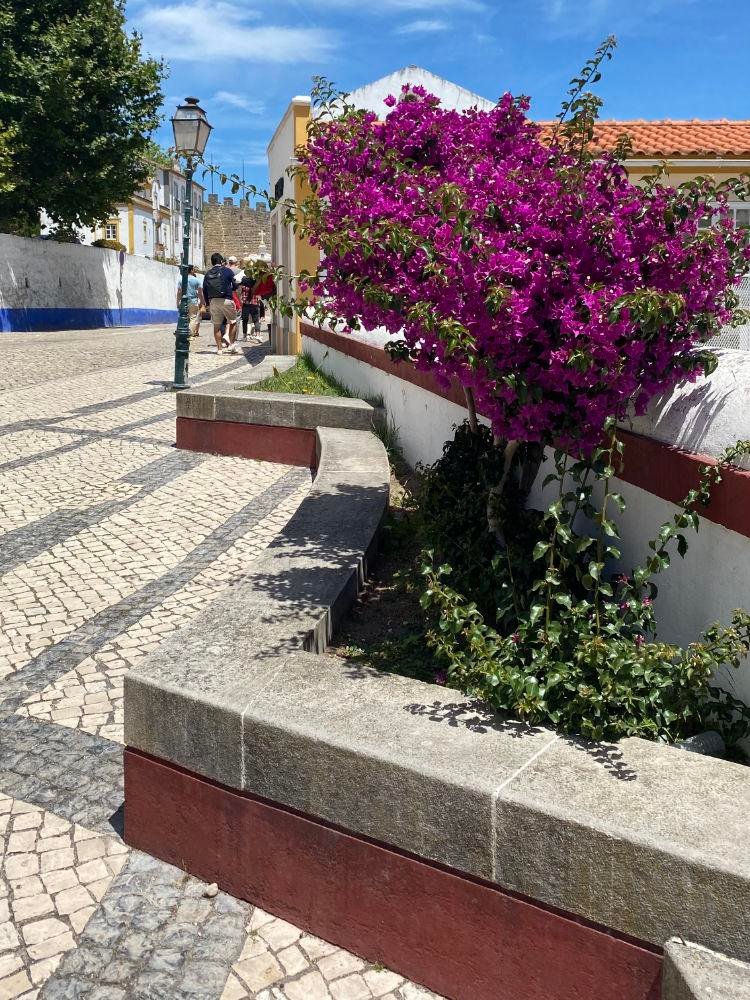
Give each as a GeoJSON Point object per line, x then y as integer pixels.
{"type": "Point", "coordinates": [464, 938]}
{"type": "Point", "coordinates": [658, 468]}
{"type": "Point", "coordinates": [263, 442]}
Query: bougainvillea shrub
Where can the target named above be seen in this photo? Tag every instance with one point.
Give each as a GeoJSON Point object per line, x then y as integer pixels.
{"type": "Point", "coordinates": [518, 261]}
{"type": "Point", "coordinates": [513, 260]}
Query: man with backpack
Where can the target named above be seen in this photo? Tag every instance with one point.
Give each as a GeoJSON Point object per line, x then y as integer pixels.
{"type": "Point", "coordinates": [218, 288]}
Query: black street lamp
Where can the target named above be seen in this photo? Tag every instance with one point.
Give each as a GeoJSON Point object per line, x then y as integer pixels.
{"type": "Point", "coordinates": [191, 131]}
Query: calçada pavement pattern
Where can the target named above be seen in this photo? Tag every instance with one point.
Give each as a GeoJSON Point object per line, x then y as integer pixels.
{"type": "Point", "coordinates": [110, 539]}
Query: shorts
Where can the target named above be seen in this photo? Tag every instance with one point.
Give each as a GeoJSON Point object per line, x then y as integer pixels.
{"type": "Point", "coordinates": [222, 309]}
{"type": "Point", "coordinates": [194, 318]}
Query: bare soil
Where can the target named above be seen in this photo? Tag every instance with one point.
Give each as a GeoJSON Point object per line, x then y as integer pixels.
{"type": "Point", "coordinates": [386, 628]}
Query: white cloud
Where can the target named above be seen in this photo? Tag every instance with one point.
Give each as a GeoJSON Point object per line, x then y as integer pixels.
{"type": "Point", "coordinates": [181, 32]}
{"type": "Point", "coordinates": [238, 101]}
{"type": "Point", "coordinates": [428, 5]}
{"type": "Point", "coordinates": [423, 27]}
{"type": "Point", "coordinates": [388, 6]}
{"type": "Point", "coordinates": [569, 18]}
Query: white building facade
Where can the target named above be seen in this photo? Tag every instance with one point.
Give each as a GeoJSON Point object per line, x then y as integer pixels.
{"type": "Point", "coordinates": [151, 223]}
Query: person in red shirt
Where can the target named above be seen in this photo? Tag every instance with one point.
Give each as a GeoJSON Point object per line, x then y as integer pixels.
{"type": "Point", "coordinates": [247, 308]}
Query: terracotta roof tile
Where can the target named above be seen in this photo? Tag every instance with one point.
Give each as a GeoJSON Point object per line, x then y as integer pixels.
{"type": "Point", "coordinates": [696, 138]}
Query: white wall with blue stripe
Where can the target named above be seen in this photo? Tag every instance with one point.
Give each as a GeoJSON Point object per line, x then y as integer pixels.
{"type": "Point", "coordinates": [65, 286]}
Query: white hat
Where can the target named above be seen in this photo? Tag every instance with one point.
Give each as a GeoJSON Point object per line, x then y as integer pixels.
{"type": "Point", "coordinates": [231, 260]}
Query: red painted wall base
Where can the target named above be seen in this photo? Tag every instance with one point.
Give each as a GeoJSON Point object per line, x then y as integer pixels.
{"type": "Point", "coordinates": [463, 938]}
{"type": "Point", "coordinates": [287, 445]}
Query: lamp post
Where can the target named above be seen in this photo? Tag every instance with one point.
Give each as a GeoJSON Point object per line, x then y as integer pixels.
{"type": "Point", "coordinates": [191, 131]}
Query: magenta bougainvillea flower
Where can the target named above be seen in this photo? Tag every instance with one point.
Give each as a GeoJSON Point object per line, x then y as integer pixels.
{"type": "Point", "coordinates": [545, 281]}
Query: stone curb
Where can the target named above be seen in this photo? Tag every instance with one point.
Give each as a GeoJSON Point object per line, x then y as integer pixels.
{"type": "Point", "coordinates": [276, 409]}
{"type": "Point", "coordinates": [695, 973]}
{"type": "Point", "coordinates": [640, 838]}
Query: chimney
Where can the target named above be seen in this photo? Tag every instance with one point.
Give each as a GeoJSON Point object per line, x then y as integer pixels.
{"type": "Point", "coordinates": [213, 199]}
{"type": "Point", "coordinates": [229, 200]}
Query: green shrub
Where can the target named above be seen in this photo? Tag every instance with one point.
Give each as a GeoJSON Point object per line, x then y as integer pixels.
{"type": "Point", "coordinates": [537, 625]}
{"type": "Point", "coordinates": [108, 244]}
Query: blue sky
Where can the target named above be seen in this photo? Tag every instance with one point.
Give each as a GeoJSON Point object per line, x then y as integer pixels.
{"type": "Point", "coordinates": [675, 58]}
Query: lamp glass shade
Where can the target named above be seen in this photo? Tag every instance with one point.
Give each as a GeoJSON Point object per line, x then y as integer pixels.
{"type": "Point", "coordinates": [191, 128]}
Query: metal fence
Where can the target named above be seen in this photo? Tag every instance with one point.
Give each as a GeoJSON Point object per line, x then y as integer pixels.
{"type": "Point", "coordinates": [737, 338]}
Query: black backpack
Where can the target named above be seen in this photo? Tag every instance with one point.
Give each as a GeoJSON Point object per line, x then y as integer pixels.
{"type": "Point", "coordinates": [215, 283]}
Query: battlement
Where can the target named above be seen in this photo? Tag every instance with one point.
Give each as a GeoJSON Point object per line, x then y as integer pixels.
{"type": "Point", "coordinates": [235, 229]}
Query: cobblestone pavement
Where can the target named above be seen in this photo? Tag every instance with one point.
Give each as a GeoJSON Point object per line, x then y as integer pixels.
{"type": "Point", "coordinates": [109, 540]}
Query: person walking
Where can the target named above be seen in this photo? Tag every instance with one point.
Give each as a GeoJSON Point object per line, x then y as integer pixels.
{"type": "Point", "coordinates": [245, 293]}
{"type": "Point", "coordinates": [265, 289]}
{"type": "Point", "coordinates": [239, 274]}
{"type": "Point", "coordinates": [196, 301]}
{"type": "Point", "coordinates": [218, 286]}
{"type": "Point", "coordinates": [256, 305]}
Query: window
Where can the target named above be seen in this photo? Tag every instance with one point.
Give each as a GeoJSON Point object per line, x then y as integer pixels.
{"type": "Point", "coordinates": [145, 231]}
{"type": "Point", "coordinates": [110, 231]}
{"type": "Point", "coordinates": [739, 213]}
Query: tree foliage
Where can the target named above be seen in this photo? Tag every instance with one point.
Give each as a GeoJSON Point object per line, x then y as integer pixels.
{"type": "Point", "coordinates": [522, 264]}
{"type": "Point", "coordinates": [546, 627]}
{"type": "Point", "coordinates": [78, 102]}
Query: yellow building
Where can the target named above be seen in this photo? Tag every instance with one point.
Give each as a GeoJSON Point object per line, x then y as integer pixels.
{"type": "Point", "coordinates": [719, 149]}
{"type": "Point", "coordinates": [288, 248]}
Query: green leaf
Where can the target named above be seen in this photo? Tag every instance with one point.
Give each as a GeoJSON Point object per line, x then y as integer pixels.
{"type": "Point", "coordinates": [536, 613]}
{"type": "Point", "coordinates": [539, 549]}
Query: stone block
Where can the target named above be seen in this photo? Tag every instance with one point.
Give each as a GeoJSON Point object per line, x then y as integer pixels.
{"type": "Point", "coordinates": [199, 731]}
{"type": "Point", "coordinates": [274, 409]}
{"type": "Point", "coordinates": [646, 839]}
{"type": "Point", "coordinates": [695, 973]}
{"type": "Point", "coordinates": [196, 403]}
{"type": "Point", "coordinates": [333, 411]}
{"type": "Point", "coordinates": [408, 764]}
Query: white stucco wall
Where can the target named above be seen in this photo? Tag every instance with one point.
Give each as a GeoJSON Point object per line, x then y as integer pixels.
{"type": "Point", "coordinates": [714, 577]}
{"type": "Point", "coordinates": [371, 96]}
{"type": "Point", "coordinates": [55, 286]}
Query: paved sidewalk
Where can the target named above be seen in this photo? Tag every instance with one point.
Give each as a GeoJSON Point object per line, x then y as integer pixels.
{"type": "Point", "coordinates": [109, 540]}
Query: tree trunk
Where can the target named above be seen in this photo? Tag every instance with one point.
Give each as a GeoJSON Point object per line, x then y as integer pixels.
{"type": "Point", "coordinates": [521, 462]}
{"type": "Point", "coordinates": [472, 409]}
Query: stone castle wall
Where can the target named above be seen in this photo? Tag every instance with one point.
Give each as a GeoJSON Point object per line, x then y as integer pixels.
{"type": "Point", "coordinates": [233, 229]}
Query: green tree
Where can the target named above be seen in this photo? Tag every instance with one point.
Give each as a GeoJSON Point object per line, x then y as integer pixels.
{"type": "Point", "coordinates": [78, 103]}
{"type": "Point", "coordinates": [157, 154]}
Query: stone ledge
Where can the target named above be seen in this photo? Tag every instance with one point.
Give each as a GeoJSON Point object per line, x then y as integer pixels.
{"type": "Point", "coordinates": [695, 973]}
{"type": "Point", "coordinates": [185, 702]}
{"type": "Point", "coordinates": [643, 839]}
{"type": "Point", "coordinates": [221, 402]}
